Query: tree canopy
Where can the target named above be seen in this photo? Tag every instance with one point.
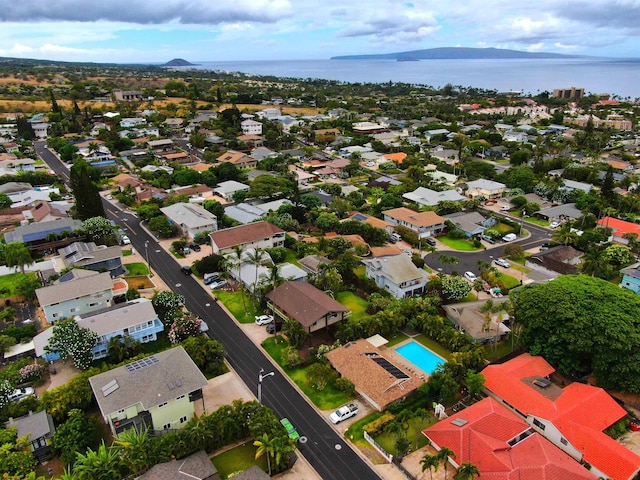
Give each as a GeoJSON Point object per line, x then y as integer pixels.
{"type": "Point", "coordinates": [582, 324]}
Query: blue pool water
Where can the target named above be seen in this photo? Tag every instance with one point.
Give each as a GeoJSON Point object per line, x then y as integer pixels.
{"type": "Point", "coordinates": [421, 357]}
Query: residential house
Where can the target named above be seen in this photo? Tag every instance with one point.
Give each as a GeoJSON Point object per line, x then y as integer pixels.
{"type": "Point", "coordinates": [162, 145]}
{"type": "Point", "coordinates": [397, 274]}
{"type": "Point", "coordinates": [394, 157]}
{"type": "Point", "coordinates": [562, 259]}
{"type": "Point", "coordinates": [431, 134]}
{"type": "Point", "coordinates": [257, 235]}
{"type": "Point", "coordinates": [270, 113]}
{"type": "Point", "coordinates": [254, 276]}
{"type": "Point", "coordinates": [620, 229]}
{"type": "Point", "coordinates": [383, 182]}
{"type": "Point", "coordinates": [127, 95]}
{"type": "Point", "coordinates": [446, 155]}
{"type": "Point", "coordinates": [251, 127]}
{"type": "Point", "coordinates": [250, 212]}
{"type": "Point", "coordinates": [228, 188]}
{"type": "Point", "coordinates": [515, 136]}
{"type": "Point", "coordinates": [485, 188]}
{"type": "Point", "coordinates": [572, 417]}
{"type": "Point", "coordinates": [471, 223]}
{"type": "Point", "coordinates": [307, 305]}
{"type": "Point", "coordinates": [156, 392]}
{"type": "Point", "coordinates": [90, 256]}
{"type": "Point", "coordinates": [239, 159]}
{"type": "Point", "coordinates": [197, 193]}
{"type": "Point", "coordinates": [132, 122]}
{"type": "Point", "coordinates": [631, 278]}
{"type": "Point", "coordinates": [254, 141]}
{"type": "Point", "coordinates": [12, 165]}
{"type": "Point", "coordinates": [40, 130]}
{"type": "Point", "coordinates": [22, 194]}
{"type": "Point", "coordinates": [174, 123]}
{"type": "Point", "coordinates": [424, 224]}
{"type": "Point", "coordinates": [380, 377]}
{"type": "Point", "coordinates": [38, 232]}
{"type": "Point", "coordinates": [261, 153]}
{"type": "Point", "coordinates": [136, 319]}
{"type": "Point", "coordinates": [39, 428]}
{"type": "Point", "coordinates": [312, 263]}
{"type": "Point", "coordinates": [190, 218]}
{"type": "Point", "coordinates": [194, 467]}
{"type": "Point", "coordinates": [480, 326]}
{"type": "Point", "coordinates": [373, 221]}
{"type": "Point", "coordinates": [501, 445]}
{"type": "Point", "coordinates": [571, 185]}
{"type": "Point", "coordinates": [497, 151]}
{"type": "Point", "coordinates": [438, 176]}
{"type": "Point", "coordinates": [431, 198]}
{"type": "Point", "coordinates": [568, 211]}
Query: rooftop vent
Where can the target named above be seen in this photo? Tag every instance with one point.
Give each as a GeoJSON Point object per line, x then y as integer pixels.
{"type": "Point", "coordinates": [459, 422]}
{"type": "Point", "coordinates": [542, 383]}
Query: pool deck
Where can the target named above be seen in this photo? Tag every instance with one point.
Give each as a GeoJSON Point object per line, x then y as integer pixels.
{"type": "Point", "coordinates": [406, 363]}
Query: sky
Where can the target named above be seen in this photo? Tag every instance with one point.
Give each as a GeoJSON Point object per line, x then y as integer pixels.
{"type": "Point", "coordinates": [150, 31]}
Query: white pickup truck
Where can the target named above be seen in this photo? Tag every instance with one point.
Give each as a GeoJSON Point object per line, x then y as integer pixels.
{"type": "Point", "coordinates": [343, 413]}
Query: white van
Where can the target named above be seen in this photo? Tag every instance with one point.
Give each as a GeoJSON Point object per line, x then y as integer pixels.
{"type": "Point", "coordinates": [509, 237]}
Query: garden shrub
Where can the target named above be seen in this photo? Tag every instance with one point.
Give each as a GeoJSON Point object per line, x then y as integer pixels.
{"type": "Point", "coordinates": [291, 357]}
{"type": "Point", "coordinates": [377, 425]}
{"type": "Point", "coordinates": [345, 385]}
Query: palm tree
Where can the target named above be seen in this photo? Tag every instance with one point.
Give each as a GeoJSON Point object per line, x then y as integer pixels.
{"type": "Point", "coordinates": [467, 471]}
{"type": "Point", "coordinates": [595, 263]}
{"type": "Point", "coordinates": [282, 447]}
{"type": "Point", "coordinates": [445, 454]}
{"type": "Point", "coordinates": [564, 235]}
{"type": "Point", "coordinates": [255, 257]}
{"type": "Point", "coordinates": [238, 250]}
{"type": "Point", "coordinates": [265, 447]}
{"type": "Point", "coordinates": [134, 449]}
{"type": "Point", "coordinates": [431, 462]}
{"type": "Point", "coordinates": [17, 254]}
{"type": "Point", "coordinates": [448, 259]}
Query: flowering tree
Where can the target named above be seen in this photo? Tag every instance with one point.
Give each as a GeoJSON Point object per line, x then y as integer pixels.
{"type": "Point", "coordinates": [455, 288]}
{"type": "Point", "coordinates": [98, 228]}
{"type": "Point", "coordinates": [70, 340]}
{"type": "Point", "coordinates": [168, 305]}
{"type": "Point", "coordinates": [184, 327]}
{"type": "Point", "coordinates": [31, 372]}
{"type": "Point", "coordinates": [5, 390]}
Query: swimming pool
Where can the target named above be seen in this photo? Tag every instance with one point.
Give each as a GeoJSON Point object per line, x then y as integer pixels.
{"type": "Point", "coordinates": [420, 356]}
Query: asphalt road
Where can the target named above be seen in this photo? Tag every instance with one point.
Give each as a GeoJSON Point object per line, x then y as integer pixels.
{"type": "Point", "coordinates": [468, 261]}
{"type": "Point", "coordinates": [325, 450]}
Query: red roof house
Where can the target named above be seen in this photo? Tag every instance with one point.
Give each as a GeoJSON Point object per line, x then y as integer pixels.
{"type": "Point", "coordinates": [619, 227]}
{"type": "Point", "coordinates": [502, 445]}
{"type": "Point", "coordinates": [573, 417]}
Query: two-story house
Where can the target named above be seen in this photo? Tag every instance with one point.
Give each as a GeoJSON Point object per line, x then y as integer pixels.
{"type": "Point", "coordinates": [190, 218]}
{"type": "Point", "coordinates": [251, 127]}
{"type": "Point", "coordinates": [485, 188]}
{"type": "Point", "coordinates": [631, 278]}
{"type": "Point", "coordinates": [89, 293]}
{"type": "Point", "coordinates": [424, 224]}
{"type": "Point", "coordinates": [156, 392]}
{"type": "Point", "coordinates": [397, 274]}
{"type": "Point", "coordinates": [255, 235]}
{"type": "Point", "coordinates": [92, 257]}
{"type": "Point", "coordinates": [40, 429]}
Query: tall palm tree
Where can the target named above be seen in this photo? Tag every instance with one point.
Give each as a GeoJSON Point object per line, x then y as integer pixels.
{"type": "Point", "coordinates": [17, 254]}
{"type": "Point", "coordinates": [134, 450]}
{"type": "Point", "coordinates": [467, 471]}
{"type": "Point", "coordinates": [255, 257]}
{"type": "Point", "coordinates": [595, 263]}
{"type": "Point", "coordinates": [448, 259]}
{"type": "Point", "coordinates": [564, 235]}
{"type": "Point", "coordinates": [445, 454]}
{"type": "Point", "coordinates": [431, 462]}
{"type": "Point", "coordinates": [265, 447]}
{"type": "Point", "coordinates": [238, 250]}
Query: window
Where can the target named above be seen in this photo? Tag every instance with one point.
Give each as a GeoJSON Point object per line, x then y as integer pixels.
{"type": "Point", "coordinates": [539, 424]}
{"type": "Point", "coordinates": [564, 441]}
{"type": "Point", "coordinates": [73, 309]}
{"type": "Point", "coordinates": [55, 315]}
{"type": "Point", "coordinates": [166, 426]}
{"type": "Point", "coordinates": [121, 411]}
{"type": "Point", "coordinates": [162, 405]}
{"type": "Point", "coordinates": [93, 304]}
{"type": "Point", "coordinates": [180, 397]}
{"type": "Point", "coordinates": [183, 419]}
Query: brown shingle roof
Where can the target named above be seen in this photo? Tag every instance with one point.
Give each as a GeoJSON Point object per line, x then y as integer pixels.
{"type": "Point", "coordinates": [419, 219]}
{"type": "Point", "coordinates": [304, 303]}
{"type": "Point", "coordinates": [244, 234]}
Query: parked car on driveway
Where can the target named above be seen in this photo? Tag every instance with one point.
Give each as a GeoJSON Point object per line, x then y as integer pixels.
{"type": "Point", "coordinates": [218, 284]}
{"type": "Point", "coordinates": [509, 237]}
{"type": "Point", "coordinates": [502, 262]}
{"type": "Point", "coordinates": [554, 224]}
{"type": "Point", "coordinates": [20, 393]}
{"type": "Point", "coordinates": [273, 328]}
{"type": "Point", "coordinates": [264, 319]}
{"type": "Point", "coordinates": [634, 425]}
{"type": "Point", "coordinates": [431, 241]}
{"type": "Point", "coordinates": [344, 412]}
{"type": "Point", "coordinates": [195, 247]}
{"type": "Point", "coordinates": [125, 240]}
{"type": "Point", "coordinates": [470, 276]}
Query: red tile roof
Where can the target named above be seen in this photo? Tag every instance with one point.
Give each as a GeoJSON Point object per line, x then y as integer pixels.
{"type": "Point", "coordinates": [581, 412]}
{"type": "Point", "coordinates": [620, 227]}
{"type": "Point", "coordinates": [483, 441]}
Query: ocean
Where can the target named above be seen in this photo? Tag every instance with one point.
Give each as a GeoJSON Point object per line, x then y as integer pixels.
{"type": "Point", "coordinates": [613, 76]}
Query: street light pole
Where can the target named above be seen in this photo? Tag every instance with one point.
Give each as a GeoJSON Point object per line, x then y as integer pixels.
{"type": "Point", "coordinates": [260, 378]}
{"type": "Point", "coordinates": [146, 250]}
{"type": "Point", "coordinates": [524, 214]}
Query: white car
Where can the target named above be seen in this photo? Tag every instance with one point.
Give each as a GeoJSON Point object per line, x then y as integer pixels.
{"type": "Point", "coordinates": [554, 224]}
{"type": "Point", "coordinates": [371, 164]}
{"type": "Point", "coordinates": [263, 319]}
{"type": "Point", "coordinates": [502, 262]}
{"type": "Point", "coordinates": [470, 276]}
{"type": "Point", "coordinates": [218, 284]}
{"type": "Point", "coordinates": [126, 240]}
{"type": "Point", "coordinates": [505, 208]}
{"type": "Point", "coordinates": [20, 393]}
{"type": "Point", "coordinates": [509, 237]}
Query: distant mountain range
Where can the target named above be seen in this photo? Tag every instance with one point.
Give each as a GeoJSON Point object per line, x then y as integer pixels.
{"type": "Point", "coordinates": [454, 53]}
{"type": "Point", "coordinates": [179, 62]}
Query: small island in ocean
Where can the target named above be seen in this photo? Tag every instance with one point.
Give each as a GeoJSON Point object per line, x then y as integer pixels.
{"type": "Point", "coordinates": [179, 62]}
{"type": "Point", "coordinates": [453, 53]}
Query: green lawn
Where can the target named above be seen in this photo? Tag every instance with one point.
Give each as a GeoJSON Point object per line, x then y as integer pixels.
{"type": "Point", "coordinates": [126, 253]}
{"type": "Point", "coordinates": [518, 264]}
{"type": "Point", "coordinates": [537, 221]}
{"type": "Point", "coordinates": [137, 268]}
{"type": "Point", "coordinates": [414, 434]}
{"type": "Point", "coordinates": [360, 271]}
{"type": "Point", "coordinates": [292, 257]}
{"type": "Point", "coordinates": [8, 283]}
{"type": "Point", "coordinates": [238, 459]}
{"type": "Point", "coordinates": [503, 228]}
{"type": "Point", "coordinates": [233, 302]}
{"type": "Point", "coordinates": [327, 399]}
{"type": "Point", "coordinates": [460, 244]}
{"type": "Point", "coordinates": [508, 280]}
{"type": "Point", "coordinates": [357, 305]}
{"type": "Point", "coordinates": [401, 337]}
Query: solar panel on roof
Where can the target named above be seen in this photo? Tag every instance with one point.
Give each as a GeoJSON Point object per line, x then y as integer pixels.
{"type": "Point", "coordinates": [110, 387]}
{"type": "Point", "coordinates": [388, 366]}
{"type": "Point", "coordinates": [359, 217]}
{"type": "Point", "coordinates": [140, 364]}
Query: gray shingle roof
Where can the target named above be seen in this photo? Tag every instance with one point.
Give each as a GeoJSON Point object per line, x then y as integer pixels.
{"type": "Point", "coordinates": [39, 424]}
{"type": "Point", "coordinates": [74, 288]}
{"type": "Point", "coordinates": [118, 317]}
{"type": "Point", "coordinates": [168, 375]}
